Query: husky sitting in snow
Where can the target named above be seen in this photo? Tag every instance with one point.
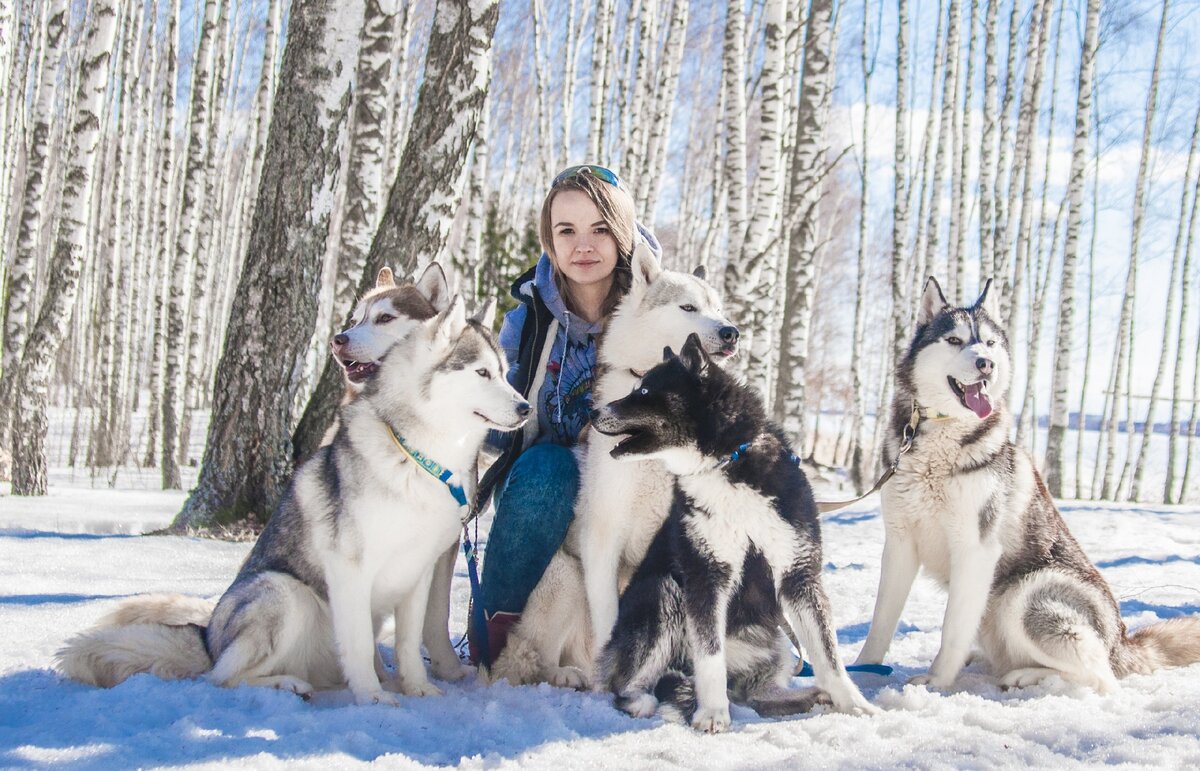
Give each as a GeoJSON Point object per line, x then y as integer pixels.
{"type": "Point", "coordinates": [739, 555]}
{"type": "Point", "coordinates": [354, 540]}
{"type": "Point", "coordinates": [969, 506]}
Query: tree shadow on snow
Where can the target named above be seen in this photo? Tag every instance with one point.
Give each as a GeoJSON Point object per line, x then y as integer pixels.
{"type": "Point", "coordinates": [146, 721]}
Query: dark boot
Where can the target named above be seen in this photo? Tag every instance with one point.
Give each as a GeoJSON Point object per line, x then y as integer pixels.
{"type": "Point", "coordinates": [485, 648]}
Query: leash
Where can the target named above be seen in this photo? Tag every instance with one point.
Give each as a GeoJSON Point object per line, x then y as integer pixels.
{"type": "Point", "coordinates": [906, 441]}
{"type": "Point", "coordinates": [443, 475]}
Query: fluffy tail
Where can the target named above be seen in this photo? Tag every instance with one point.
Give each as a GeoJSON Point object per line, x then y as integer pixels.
{"type": "Point", "coordinates": [519, 663]}
{"type": "Point", "coordinates": [676, 694]}
{"type": "Point", "coordinates": [159, 634]}
{"type": "Point", "coordinates": [1171, 643]}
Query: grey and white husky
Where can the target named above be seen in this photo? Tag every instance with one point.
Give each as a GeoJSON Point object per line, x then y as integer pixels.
{"type": "Point", "coordinates": [739, 555]}
{"type": "Point", "coordinates": [620, 506]}
{"type": "Point", "coordinates": [354, 540]}
{"type": "Point", "coordinates": [969, 506]}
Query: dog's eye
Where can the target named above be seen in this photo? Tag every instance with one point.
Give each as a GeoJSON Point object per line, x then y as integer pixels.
{"type": "Point", "coordinates": [384, 318]}
{"type": "Point", "coordinates": [688, 308]}
{"type": "Point", "coordinates": [991, 343]}
{"type": "Point", "coordinates": [954, 340]}
{"type": "Point", "coordinates": [644, 391]}
{"type": "Point", "coordinates": [483, 373]}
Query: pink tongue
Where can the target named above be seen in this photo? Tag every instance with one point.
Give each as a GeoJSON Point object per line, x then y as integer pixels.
{"type": "Point", "coordinates": [976, 398]}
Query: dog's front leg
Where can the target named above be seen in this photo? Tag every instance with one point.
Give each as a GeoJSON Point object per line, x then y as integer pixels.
{"type": "Point", "coordinates": [410, 667]}
{"type": "Point", "coordinates": [600, 555]}
{"type": "Point", "coordinates": [353, 631]}
{"type": "Point", "coordinates": [435, 631]}
{"type": "Point", "coordinates": [897, 571]}
{"type": "Point", "coordinates": [706, 604]}
{"type": "Point", "coordinates": [971, 571]}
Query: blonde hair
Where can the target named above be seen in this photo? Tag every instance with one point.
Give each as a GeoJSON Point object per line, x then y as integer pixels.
{"type": "Point", "coordinates": [616, 209]}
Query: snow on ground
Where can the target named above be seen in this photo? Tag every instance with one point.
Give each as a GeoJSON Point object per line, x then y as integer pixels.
{"type": "Point", "coordinates": [69, 558]}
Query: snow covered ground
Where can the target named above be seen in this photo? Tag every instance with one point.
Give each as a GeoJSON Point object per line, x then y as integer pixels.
{"type": "Point", "coordinates": [67, 559]}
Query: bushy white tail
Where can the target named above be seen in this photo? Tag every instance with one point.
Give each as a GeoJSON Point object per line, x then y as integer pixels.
{"type": "Point", "coordinates": [160, 634]}
{"type": "Point", "coordinates": [1171, 643]}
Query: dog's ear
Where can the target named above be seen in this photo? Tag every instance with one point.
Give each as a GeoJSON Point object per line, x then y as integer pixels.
{"type": "Point", "coordinates": [693, 356]}
{"type": "Point", "coordinates": [487, 314]}
{"type": "Point", "coordinates": [450, 322]}
{"type": "Point", "coordinates": [700, 272]}
{"type": "Point", "coordinates": [932, 302]}
{"type": "Point", "coordinates": [645, 266]}
{"type": "Point", "coordinates": [668, 354]}
{"type": "Point", "coordinates": [385, 278]}
{"type": "Point", "coordinates": [433, 287]}
{"type": "Point", "coordinates": [989, 302]}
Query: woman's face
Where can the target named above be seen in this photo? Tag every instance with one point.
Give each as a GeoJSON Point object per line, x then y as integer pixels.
{"type": "Point", "coordinates": [585, 252]}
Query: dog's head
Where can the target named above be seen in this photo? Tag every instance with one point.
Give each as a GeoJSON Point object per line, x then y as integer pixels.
{"type": "Point", "coordinates": [384, 315]}
{"type": "Point", "coordinates": [451, 368]}
{"type": "Point", "coordinates": [685, 412]}
{"type": "Point", "coordinates": [662, 308]}
{"type": "Point", "coordinates": [958, 363]}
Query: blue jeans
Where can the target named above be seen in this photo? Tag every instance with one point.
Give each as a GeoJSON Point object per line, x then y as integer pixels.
{"type": "Point", "coordinates": [534, 508]}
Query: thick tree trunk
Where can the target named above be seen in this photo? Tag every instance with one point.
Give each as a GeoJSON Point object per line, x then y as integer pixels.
{"type": "Point", "coordinates": [900, 193]}
{"type": "Point", "coordinates": [424, 196]}
{"type": "Point", "coordinates": [45, 339]}
{"type": "Point", "coordinates": [247, 456]}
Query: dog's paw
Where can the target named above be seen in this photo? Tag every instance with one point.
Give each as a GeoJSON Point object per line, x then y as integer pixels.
{"type": "Point", "coordinates": [297, 686]}
{"type": "Point", "coordinates": [1025, 677]}
{"type": "Point", "coordinates": [450, 671]}
{"type": "Point", "coordinates": [366, 698]}
{"type": "Point", "coordinates": [641, 705]}
{"type": "Point", "coordinates": [419, 688]}
{"type": "Point", "coordinates": [931, 680]}
{"type": "Point", "coordinates": [858, 706]}
{"type": "Point", "coordinates": [569, 677]}
{"type": "Point", "coordinates": [711, 720]}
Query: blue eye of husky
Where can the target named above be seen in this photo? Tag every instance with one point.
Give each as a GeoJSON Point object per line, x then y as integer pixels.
{"type": "Point", "coordinates": [954, 340]}
{"type": "Point", "coordinates": [483, 373]}
{"type": "Point", "coordinates": [644, 391]}
{"type": "Point", "coordinates": [688, 308]}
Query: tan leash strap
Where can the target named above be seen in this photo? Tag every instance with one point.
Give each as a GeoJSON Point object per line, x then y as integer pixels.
{"type": "Point", "coordinates": [906, 440]}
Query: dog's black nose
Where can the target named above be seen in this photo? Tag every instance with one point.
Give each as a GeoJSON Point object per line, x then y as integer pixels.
{"type": "Point", "coordinates": [340, 339]}
{"type": "Point", "coordinates": [984, 365]}
{"type": "Point", "coordinates": [524, 408]}
{"type": "Point", "coordinates": [728, 335]}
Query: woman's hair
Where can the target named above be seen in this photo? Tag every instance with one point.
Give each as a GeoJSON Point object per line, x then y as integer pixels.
{"type": "Point", "coordinates": [617, 211]}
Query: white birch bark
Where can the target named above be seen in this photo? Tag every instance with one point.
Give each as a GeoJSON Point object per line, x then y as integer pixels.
{"type": "Point", "coordinates": [664, 103]}
{"type": "Point", "coordinates": [808, 170]}
{"type": "Point", "coordinates": [364, 170]}
{"type": "Point", "coordinates": [929, 139]}
{"type": "Point", "coordinates": [733, 81]}
{"type": "Point", "coordinates": [1185, 295]}
{"type": "Point", "coordinates": [1004, 172]}
{"type": "Point", "coordinates": [1063, 342]}
{"type": "Point", "coordinates": [1182, 237]}
{"type": "Point", "coordinates": [1081, 425]}
{"type": "Point", "coordinates": [601, 35]}
{"type": "Point", "coordinates": [45, 339]}
{"type": "Point", "coordinates": [570, 64]}
{"type": "Point", "coordinates": [858, 434]}
{"type": "Point", "coordinates": [945, 141]}
{"type": "Point", "coordinates": [1121, 359]}
{"type": "Point", "coordinates": [959, 213]}
{"type": "Point", "coordinates": [900, 192]}
{"type": "Point", "coordinates": [987, 148]}
{"type": "Point", "coordinates": [18, 294]}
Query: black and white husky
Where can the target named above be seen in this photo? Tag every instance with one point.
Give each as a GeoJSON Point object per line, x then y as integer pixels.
{"type": "Point", "coordinates": [620, 506]}
{"type": "Point", "coordinates": [969, 506]}
{"type": "Point", "coordinates": [739, 555]}
{"type": "Point", "coordinates": [354, 540]}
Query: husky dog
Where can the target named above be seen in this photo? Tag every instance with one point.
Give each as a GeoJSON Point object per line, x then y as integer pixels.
{"type": "Point", "coordinates": [384, 315]}
{"type": "Point", "coordinates": [355, 537]}
{"type": "Point", "coordinates": [969, 506]}
{"type": "Point", "coordinates": [620, 506]}
{"type": "Point", "coordinates": [739, 555]}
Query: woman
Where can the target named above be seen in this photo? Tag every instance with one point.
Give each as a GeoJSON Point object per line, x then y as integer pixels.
{"type": "Point", "coordinates": [588, 231]}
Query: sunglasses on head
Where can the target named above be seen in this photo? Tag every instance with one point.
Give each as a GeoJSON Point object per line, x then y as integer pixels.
{"type": "Point", "coordinates": [599, 172]}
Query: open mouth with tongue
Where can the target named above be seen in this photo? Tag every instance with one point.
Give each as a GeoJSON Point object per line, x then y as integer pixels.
{"type": "Point", "coordinates": [974, 396]}
{"type": "Point", "coordinates": [359, 371]}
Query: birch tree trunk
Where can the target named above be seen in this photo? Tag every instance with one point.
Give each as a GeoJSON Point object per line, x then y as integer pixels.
{"type": "Point", "coordinates": [1063, 339]}
{"type": "Point", "coordinates": [18, 294]}
{"type": "Point", "coordinates": [959, 210]}
{"type": "Point", "coordinates": [247, 456]}
{"type": "Point", "coordinates": [183, 260]}
{"type": "Point", "coordinates": [1125, 324]}
{"type": "Point", "coordinates": [1182, 236]}
{"type": "Point", "coordinates": [733, 80]}
{"type": "Point", "coordinates": [900, 192]}
{"type": "Point", "coordinates": [601, 34]}
{"type": "Point", "coordinates": [945, 137]}
{"type": "Point", "coordinates": [45, 339]}
{"type": "Point", "coordinates": [364, 170]}
{"type": "Point", "coordinates": [664, 103]}
{"type": "Point", "coordinates": [858, 469]}
{"type": "Point", "coordinates": [423, 199]}
{"type": "Point", "coordinates": [1185, 294]}
{"type": "Point", "coordinates": [808, 171]}
{"type": "Point", "coordinates": [1192, 422]}
{"type": "Point", "coordinates": [987, 218]}
{"type": "Point", "coordinates": [1081, 424]}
